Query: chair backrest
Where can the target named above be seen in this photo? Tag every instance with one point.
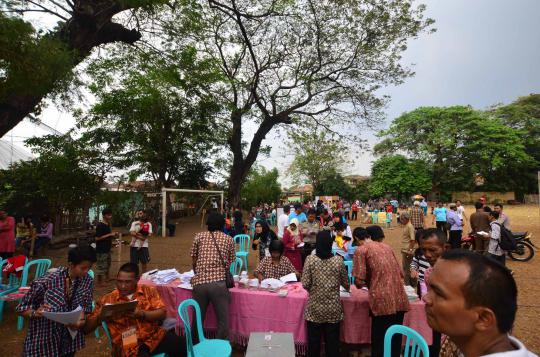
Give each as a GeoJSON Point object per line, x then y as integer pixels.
{"type": "Point", "coordinates": [236, 266]}
{"type": "Point", "coordinates": [107, 332]}
{"type": "Point", "coordinates": [414, 343]}
{"type": "Point", "coordinates": [184, 315]}
{"type": "Point", "coordinates": [243, 242]}
{"type": "Point", "coordinates": [42, 265]}
{"type": "Point", "coordinates": [349, 265]}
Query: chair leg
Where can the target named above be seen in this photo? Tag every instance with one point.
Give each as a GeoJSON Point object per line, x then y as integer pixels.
{"type": "Point", "coordinates": [1, 310]}
{"type": "Point", "coordinates": [20, 323]}
{"type": "Point", "coordinates": [96, 332]}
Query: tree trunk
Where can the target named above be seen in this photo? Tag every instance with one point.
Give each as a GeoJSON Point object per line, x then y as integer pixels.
{"type": "Point", "coordinates": [89, 27]}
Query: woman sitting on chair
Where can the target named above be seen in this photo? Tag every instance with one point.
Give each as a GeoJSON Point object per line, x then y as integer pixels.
{"type": "Point", "coordinates": [276, 265]}
{"type": "Point", "coordinates": [262, 238]}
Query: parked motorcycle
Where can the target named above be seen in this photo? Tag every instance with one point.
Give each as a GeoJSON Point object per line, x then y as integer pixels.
{"type": "Point", "coordinates": [524, 251]}
{"type": "Point", "coordinates": [525, 247]}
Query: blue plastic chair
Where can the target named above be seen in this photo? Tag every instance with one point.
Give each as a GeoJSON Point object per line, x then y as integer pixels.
{"type": "Point", "coordinates": [414, 343]}
{"type": "Point", "coordinates": [42, 265]}
{"type": "Point", "coordinates": [205, 347]}
{"type": "Point", "coordinates": [242, 251]}
{"type": "Point", "coordinates": [349, 265]}
{"type": "Point", "coordinates": [13, 285]}
{"type": "Point", "coordinates": [91, 274]}
{"type": "Point", "coordinates": [236, 267]}
{"type": "Point", "coordinates": [109, 338]}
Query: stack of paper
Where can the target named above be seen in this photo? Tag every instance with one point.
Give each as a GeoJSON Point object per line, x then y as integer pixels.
{"type": "Point", "coordinates": [186, 277]}
{"type": "Point", "coordinates": [165, 276]}
{"type": "Point", "coordinates": [271, 284]}
{"type": "Point", "coordinates": [289, 278]}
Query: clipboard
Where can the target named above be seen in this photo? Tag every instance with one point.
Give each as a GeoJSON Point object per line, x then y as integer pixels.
{"type": "Point", "coordinates": [109, 310]}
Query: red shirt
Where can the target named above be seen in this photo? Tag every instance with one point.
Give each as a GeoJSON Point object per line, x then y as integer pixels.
{"type": "Point", "coordinates": [7, 235]}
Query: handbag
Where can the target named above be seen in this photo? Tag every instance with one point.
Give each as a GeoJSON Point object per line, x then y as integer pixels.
{"type": "Point", "coordinates": [229, 281]}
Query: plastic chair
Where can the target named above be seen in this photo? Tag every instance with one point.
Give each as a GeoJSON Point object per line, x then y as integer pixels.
{"type": "Point", "coordinates": [42, 265]}
{"type": "Point", "coordinates": [414, 343]}
{"type": "Point", "coordinates": [374, 216]}
{"type": "Point", "coordinates": [236, 267]}
{"type": "Point", "coordinates": [13, 285]}
{"type": "Point", "coordinates": [349, 266]}
{"type": "Point", "coordinates": [205, 347]}
{"type": "Point", "coordinates": [242, 240]}
{"type": "Point", "coordinates": [91, 274]}
{"type": "Point", "coordinates": [109, 338]}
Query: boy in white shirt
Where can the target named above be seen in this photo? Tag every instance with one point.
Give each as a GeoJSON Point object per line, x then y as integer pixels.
{"type": "Point", "coordinates": [283, 221]}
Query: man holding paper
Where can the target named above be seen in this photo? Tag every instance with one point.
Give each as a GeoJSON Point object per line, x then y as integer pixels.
{"type": "Point", "coordinates": [53, 330]}
{"type": "Point", "coordinates": [133, 314]}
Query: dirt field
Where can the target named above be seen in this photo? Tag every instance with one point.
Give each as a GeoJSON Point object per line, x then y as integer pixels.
{"type": "Point", "coordinates": [174, 252]}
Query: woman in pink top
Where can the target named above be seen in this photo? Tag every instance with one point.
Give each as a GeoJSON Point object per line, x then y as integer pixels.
{"type": "Point", "coordinates": [292, 238]}
{"type": "Point", "coordinates": [7, 235]}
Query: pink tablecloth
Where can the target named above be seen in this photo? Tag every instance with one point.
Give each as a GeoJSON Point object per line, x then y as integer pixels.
{"type": "Point", "coordinates": [259, 311]}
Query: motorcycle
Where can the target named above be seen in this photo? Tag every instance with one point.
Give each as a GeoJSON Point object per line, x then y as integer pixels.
{"type": "Point", "coordinates": [525, 247]}
{"type": "Point", "coordinates": [524, 251]}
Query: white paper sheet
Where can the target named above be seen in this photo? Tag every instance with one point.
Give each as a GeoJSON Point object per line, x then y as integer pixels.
{"type": "Point", "coordinates": [65, 318]}
{"type": "Point", "coordinates": [482, 233]}
{"type": "Point", "coordinates": [289, 278]}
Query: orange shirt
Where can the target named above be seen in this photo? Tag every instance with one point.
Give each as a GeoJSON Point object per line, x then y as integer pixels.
{"type": "Point", "coordinates": [148, 333]}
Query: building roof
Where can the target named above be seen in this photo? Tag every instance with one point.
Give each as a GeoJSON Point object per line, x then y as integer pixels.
{"type": "Point", "coordinates": [11, 153]}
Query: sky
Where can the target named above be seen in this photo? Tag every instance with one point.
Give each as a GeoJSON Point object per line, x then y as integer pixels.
{"type": "Point", "coordinates": [484, 52]}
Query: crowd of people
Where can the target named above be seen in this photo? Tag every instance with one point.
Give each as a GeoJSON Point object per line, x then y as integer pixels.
{"type": "Point", "coordinates": [470, 297]}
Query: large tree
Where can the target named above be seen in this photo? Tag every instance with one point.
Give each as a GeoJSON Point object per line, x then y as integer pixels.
{"type": "Point", "coordinates": [316, 152]}
{"type": "Point", "coordinates": [287, 61]}
{"type": "Point", "coordinates": [459, 143]}
{"type": "Point", "coordinates": [523, 115]}
{"type": "Point", "coordinates": [400, 176]}
{"type": "Point", "coordinates": [154, 119]}
{"type": "Point", "coordinates": [261, 186]}
{"type": "Point", "coordinates": [35, 63]}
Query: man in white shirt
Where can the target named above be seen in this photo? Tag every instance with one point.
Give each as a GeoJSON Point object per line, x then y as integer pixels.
{"type": "Point", "coordinates": [140, 231]}
{"type": "Point", "coordinates": [473, 300]}
{"type": "Point", "coordinates": [494, 249]}
{"type": "Point", "coordinates": [283, 221]}
{"type": "Point", "coordinates": [503, 219]}
{"type": "Point", "coordinates": [461, 210]}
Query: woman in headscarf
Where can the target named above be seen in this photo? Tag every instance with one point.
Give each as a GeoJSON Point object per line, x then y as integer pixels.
{"type": "Point", "coordinates": [276, 265]}
{"type": "Point", "coordinates": [322, 277]}
{"type": "Point", "coordinates": [262, 238]}
{"type": "Point", "coordinates": [292, 239]}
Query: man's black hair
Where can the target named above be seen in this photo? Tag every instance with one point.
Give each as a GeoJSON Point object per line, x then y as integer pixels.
{"type": "Point", "coordinates": [376, 233]}
{"type": "Point", "coordinates": [490, 285]}
{"type": "Point", "coordinates": [311, 211]}
{"type": "Point", "coordinates": [106, 211]}
{"type": "Point", "coordinates": [434, 232]}
{"type": "Point", "coordinates": [297, 205]}
{"type": "Point", "coordinates": [81, 254]}
{"type": "Point", "coordinates": [277, 246]}
{"type": "Point", "coordinates": [487, 209]}
{"type": "Point", "coordinates": [360, 233]}
{"type": "Point", "coordinates": [494, 214]}
{"type": "Point", "coordinates": [419, 234]}
{"type": "Point", "coordinates": [499, 205]}
{"type": "Point", "coordinates": [478, 205]}
{"type": "Point", "coordinates": [130, 268]}
{"type": "Point", "coordinates": [286, 209]}
{"type": "Point", "coordinates": [215, 222]}
{"type": "Point", "coordinates": [338, 226]}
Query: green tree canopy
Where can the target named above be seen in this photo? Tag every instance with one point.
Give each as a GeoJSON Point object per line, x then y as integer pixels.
{"type": "Point", "coordinates": [261, 186]}
{"type": "Point", "coordinates": [316, 153]}
{"type": "Point", "coordinates": [332, 183]}
{"type": "Point", "coordinates": [459, 143]}
{"type": "Point", "coordinates": [400, 176]}
{"type": "Point", "coordinates": [155, 119]}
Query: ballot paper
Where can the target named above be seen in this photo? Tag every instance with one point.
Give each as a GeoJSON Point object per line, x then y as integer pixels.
{"type": "Point", "coordinates": [65, 318]}
{"type": "Point", "coordinates": [271, 284]}
{"type": "Point", "coordinates": [119, 308]}
{"type": "Point", "coordinates": [343, 292]}
{"type": "Point", "coordinates": [288, 278]}
{"type": "Point", "coordinates": [165, 276]}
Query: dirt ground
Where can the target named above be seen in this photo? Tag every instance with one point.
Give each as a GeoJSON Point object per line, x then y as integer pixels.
{"type": "Point", "coordinates": [174, 252]}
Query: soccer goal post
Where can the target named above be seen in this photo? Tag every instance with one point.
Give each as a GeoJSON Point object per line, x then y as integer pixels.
{"type": "Point", "coordinates": [164, 191]}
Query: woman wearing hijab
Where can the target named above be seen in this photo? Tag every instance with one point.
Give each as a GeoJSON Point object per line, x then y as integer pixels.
{"type": "Point", "coordinates": [276, 265]}
{"type": "Point", "coordinates": [322, 277]}
{"type": "Point", "coordinates": [262, 238]}
{"type": "Point", "coordinates": [292, 239]}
